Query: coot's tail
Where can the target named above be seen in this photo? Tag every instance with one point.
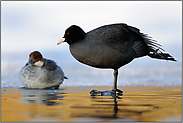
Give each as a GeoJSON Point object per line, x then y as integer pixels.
{"type": "Point", "coordinates": [155, 49]}
{"type": "Point", "coordinates": [160, 55]}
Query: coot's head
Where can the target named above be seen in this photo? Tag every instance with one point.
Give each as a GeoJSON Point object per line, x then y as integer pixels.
{"type": "Point", "coordinates": [72, 34]}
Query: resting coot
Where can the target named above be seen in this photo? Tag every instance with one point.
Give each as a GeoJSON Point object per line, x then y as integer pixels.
{"type": "Point", "coordinates": [111, 46]}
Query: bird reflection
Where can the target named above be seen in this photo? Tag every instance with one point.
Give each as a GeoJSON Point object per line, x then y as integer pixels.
{"type": "Point", "coordinates": [115, 107]}
{"type": "Point", "coordinates": [47, 97]}
{"type": "Point", "coordinates": [100, 96]}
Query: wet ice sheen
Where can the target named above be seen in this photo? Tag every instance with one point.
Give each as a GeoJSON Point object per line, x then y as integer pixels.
{"type": "Point", "coordinates": [65, 105]}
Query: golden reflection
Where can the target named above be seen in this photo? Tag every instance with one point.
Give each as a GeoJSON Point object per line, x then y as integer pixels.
{"type": "Point", "coordinates": [104, 104]}
{"type": "Point", "coordinates": [148, 104]}
{"type": "Point", "coordinates": [112, 98]}
{"type": "Point", "coordinates": [47, 97]}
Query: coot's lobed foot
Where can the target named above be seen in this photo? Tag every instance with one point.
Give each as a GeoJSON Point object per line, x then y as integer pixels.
{"type": "Point", "coordinates": [106, 93]}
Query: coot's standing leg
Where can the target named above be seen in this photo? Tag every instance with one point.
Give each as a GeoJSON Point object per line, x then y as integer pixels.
{"type": "Point", "coordinates": [115, 80]}
{"type": "Point", "coordinates": [109, 93]}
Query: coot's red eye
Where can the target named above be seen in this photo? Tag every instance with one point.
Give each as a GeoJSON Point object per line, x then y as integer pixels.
{"type": "Point", "coordinates": [67, 33]}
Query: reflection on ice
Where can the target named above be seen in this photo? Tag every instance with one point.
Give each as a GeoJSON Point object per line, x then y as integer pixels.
{"type": "Point", "coordinates": [77, 105]}
{"type": "Point", "coordinates": [111, 95]}
{"type": "Point", "coordinates": [47, 97]}
{"type": "Point", "coordinates": [103, 107]}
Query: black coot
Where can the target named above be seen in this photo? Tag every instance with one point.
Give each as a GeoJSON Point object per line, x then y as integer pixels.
{"type": "Point", "coordinates": [111, 46]}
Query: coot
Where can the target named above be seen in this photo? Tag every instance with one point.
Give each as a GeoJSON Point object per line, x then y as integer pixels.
{"type": "Point", "coordinates": [41, 73]}
{"type": "Point", "coordinates": [111, 46]}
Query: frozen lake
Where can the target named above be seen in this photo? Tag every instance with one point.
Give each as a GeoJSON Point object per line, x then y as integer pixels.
{"type": "Point", "coordinates": [149, 104]}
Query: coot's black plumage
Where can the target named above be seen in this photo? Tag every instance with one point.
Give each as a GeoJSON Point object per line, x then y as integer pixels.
{"type": "Point", "coordinates": [111, 46]}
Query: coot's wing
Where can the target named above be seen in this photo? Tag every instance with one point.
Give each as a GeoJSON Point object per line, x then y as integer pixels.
{"type": "Point", "coordinates": [121, 37]}
{"type": "Point", "coordinates": [126, 39]}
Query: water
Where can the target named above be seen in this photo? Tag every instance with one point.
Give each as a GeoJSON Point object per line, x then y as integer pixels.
{"type": "Point", "coordinates": [75, 104]}
{"type": "Point", "coordinates": [140, 72]}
